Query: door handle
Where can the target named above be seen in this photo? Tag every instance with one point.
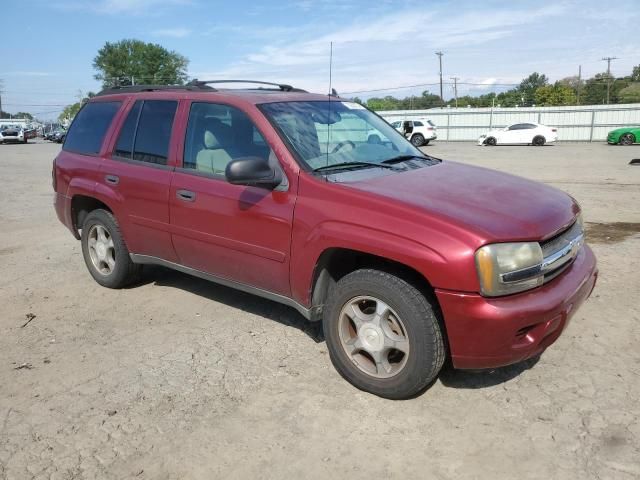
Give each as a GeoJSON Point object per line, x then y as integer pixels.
{"type": "Point", "coordinates": [186, 195]}
{"type": "Point", "coordinates": [112, 179]}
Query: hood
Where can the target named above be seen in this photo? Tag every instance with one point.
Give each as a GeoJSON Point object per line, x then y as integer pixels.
{"type": "Point", "coordinates": [619, 131]}
{"type": "Point", "coordinates": [493, 132]}
{"type": "Point", "coordinates": [497, 206]}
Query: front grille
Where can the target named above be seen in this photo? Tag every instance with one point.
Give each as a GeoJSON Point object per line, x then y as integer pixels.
{"type": "Point", "coordinates": [11, 133]}
{"type": "Point", "coordinates": [553, 246]}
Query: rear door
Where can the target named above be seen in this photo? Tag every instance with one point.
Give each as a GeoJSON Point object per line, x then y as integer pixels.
{"type": "Point", "coordinates": [137, 170]}
{"type": "Point", "coordinates": [235, 232]}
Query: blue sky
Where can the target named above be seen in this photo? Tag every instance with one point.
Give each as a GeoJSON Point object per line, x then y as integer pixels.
{"type": "Point", "coordinates": [377, 45]}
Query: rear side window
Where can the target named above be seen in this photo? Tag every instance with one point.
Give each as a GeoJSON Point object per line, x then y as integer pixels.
{"type": "Point", "coordinates": [146, 133]}
{"type": "Point", "coordinates": [124, 147]}
{"type": "Point", "coordinates": [418, 124]}
{"type": "Point", "coordinates": [89, 127]}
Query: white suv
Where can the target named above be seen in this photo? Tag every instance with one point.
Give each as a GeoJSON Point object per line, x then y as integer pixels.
{"type": "Point", "coordinates": [419, 132]}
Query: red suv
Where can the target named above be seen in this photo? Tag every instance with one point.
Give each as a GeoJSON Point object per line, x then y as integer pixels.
{"type": "Point", "coordinates": [316, 202]}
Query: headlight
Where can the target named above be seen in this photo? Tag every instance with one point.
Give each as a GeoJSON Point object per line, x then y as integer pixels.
{"type": "Point", "coordinates": [505, 268]}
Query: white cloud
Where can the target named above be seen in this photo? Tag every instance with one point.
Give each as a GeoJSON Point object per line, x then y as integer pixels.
{"type": "Point", "coordinates": [172, 32]}
{"type": "Point", "coordinates": [386, 49]}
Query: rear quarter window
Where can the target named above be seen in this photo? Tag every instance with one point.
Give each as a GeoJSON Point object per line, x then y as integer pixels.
{"type": "Point", "coordinates": [89, 127]}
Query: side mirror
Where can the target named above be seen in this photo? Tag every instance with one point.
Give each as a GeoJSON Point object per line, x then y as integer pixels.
{"type": "Point", "coordinates": [253, 171]}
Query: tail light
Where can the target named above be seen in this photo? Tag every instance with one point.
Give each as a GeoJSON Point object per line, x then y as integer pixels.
{"type": "Point", "coordinates": [429, 128]}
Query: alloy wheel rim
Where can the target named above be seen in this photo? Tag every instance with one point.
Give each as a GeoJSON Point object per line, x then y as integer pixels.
{"type": "Point", "coordinates": [101, 250]}
{"type": "Point", "coordinates": [373, 337]}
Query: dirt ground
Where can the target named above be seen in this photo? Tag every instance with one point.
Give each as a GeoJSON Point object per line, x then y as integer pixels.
{"type": "Point", "coordinates": [177, 378]}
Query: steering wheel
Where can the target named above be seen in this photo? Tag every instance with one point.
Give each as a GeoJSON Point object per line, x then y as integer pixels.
{"type": "Point", "coordinates": [342, 144]}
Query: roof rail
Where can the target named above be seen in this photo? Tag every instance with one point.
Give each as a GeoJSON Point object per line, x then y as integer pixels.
{"type": "Point", "coordinates": [282, 86]}
{"type": "Point", "coordinates": [152, 88]}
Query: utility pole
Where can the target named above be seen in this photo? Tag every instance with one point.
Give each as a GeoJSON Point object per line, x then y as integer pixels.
{"type": "Point", "coordinates": [579, 84]}
{"type": "Point", "coordinates": [608, 60]}
{"type": "Point", "coordinates": [1, 85]}
{"type": "Point", "coordinates": [455, 88]}
{"type": "Point", "coordinates": [440, 54]}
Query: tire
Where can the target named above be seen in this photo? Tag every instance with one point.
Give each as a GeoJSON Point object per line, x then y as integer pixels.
{"type": "Point", "coordinates": [109, 264]}
{"type": "Point", "coordinates": [538, 141]}
{"type": "Point", "coordinates": [491, 141]}
{"type": "Point", "coordinates": [409, 322]}
{"type": "Point", "coordinates": [627, 139]}
{"type": "Point", "coordinates": [417, 140]}
{"type": "Point", "coordinates": [426, 142]}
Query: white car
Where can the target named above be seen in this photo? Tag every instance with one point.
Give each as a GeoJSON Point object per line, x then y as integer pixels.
{"type": "Point", "coordinates": [12, 133]}
{"type": "Point", "coordinates": [520, 134]}
{"type": "Point", "coordinates": [419, 132]}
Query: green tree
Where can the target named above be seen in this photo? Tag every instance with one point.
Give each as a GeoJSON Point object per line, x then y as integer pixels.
{"type": "Point", "coordinates": [26, 115]}
{"type": "Point", "coordinates": [630, 93]}
{"type": "Point", "coordinates": [133, 61]}
{"type": "Point", "coordinates": [595, 89]}
{"type": "Point", "coordinates": [70, 111]}
{"type": "Point", "coordinates": [529, 85]}
{"type": "Point", "coordinates": [556, 94]}
{"type": "Point", "coordinates": [635, 74]}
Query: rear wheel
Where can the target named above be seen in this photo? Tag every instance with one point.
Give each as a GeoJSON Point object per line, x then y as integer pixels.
{"type": "Point", "coordinates": [627, 139]}
{"type": "Point", "coordinates": [426, 142]}
{"type": "Point", "coordinates": [382, 334]}
{"type": "Point", "coordinates": [105, 252]}
{"type": "Point", "coordinates": [538, 141]}
{"type": "Point", "coordinates": [417, 140]}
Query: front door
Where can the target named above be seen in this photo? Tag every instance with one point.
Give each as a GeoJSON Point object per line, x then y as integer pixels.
{"type": "Point", "coordinates": [236, 232]}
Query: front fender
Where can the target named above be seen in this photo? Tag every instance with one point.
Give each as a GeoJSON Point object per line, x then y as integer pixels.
{"type": "Point", "coordinates": [333, 234]}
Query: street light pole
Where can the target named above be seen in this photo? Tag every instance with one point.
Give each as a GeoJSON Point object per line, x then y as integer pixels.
{"type": "Point", "coordinates": [440, 54]}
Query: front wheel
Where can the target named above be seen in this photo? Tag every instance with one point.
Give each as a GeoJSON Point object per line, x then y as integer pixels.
{"type": "Point", "coordinates": [491, 141]}
{"type": "Point", "coordinates": [417, 140]}
{"type": "Point", "coordinates": [382, 334]}
{"type": "Point", "coordinates": [105, 252]}
{"type": "Point", "coordinates": [627, 139]}
{"type": "Point", "coordinates": [539, 141]}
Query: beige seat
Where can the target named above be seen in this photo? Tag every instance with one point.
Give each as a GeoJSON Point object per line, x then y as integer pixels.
{"type": "Point", "coordinates": [213, 158]}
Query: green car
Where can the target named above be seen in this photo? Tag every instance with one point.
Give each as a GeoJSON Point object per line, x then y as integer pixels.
{"type": "Point", "coordinates": [624, 136]}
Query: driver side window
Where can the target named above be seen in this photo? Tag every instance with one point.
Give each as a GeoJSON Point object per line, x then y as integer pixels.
{"type": "Point", "coordinates": [217, 134]}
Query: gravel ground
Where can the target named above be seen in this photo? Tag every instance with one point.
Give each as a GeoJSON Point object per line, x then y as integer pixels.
{"type": "Point", "coordinates": [177, 378]}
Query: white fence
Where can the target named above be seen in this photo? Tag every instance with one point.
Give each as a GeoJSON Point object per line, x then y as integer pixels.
{"type": "Point", "coordinates": [581, 123]}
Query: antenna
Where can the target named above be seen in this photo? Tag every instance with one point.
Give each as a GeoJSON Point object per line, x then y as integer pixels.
{"type": "Point", "coordinates": [329, 95]}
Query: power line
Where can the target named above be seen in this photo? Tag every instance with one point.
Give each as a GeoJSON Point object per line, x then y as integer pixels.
{"type": "Point", "coordinates": [608, 60]}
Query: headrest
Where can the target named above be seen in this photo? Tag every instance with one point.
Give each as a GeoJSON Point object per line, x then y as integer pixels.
{"type": "Point", "coordinates": [210, 140]}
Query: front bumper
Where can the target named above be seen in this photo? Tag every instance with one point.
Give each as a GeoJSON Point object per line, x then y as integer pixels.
{"type": "Point", "coordinates": [493, 332]}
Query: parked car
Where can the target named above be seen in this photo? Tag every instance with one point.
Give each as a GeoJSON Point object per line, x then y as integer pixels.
{"type": "Point", "coordinates": [13, 134]}
{"type": "Point", "coordinates": [520, 134]}
{"type": "Point", "coordinates": [59, 136]}
{"type": "Point", "coordinates": [419, 132]}
{"type": "Point", "coordinates": [407, 260]}
{"type": "Point", "coordinates": [624, 136]}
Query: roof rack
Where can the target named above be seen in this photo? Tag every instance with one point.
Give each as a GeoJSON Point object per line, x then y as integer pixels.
{"type": "Point", "coordinates": [282, 86]}
{"type": "Point", "coordinates": [152, 88]}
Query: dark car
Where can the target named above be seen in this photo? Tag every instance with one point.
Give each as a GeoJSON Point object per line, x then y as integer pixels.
{"type": "Point", "coordinates": [406, 259]}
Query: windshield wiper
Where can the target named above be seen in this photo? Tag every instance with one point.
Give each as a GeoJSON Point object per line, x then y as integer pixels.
{"type": "Point", "coordinates": [338, 166]}
{"type": "Point", "coordinates": [402, 158]}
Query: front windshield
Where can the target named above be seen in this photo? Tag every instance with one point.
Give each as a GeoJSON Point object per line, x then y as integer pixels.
{"type": "Point", "coordinates": [326, 133]}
